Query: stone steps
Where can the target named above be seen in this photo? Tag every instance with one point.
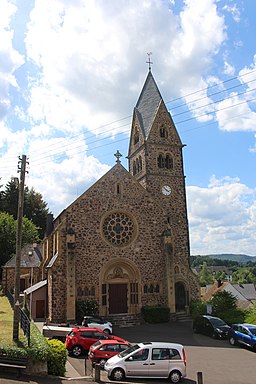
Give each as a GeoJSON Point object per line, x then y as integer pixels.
{"type": "Point", "coordinates": [124, 320]}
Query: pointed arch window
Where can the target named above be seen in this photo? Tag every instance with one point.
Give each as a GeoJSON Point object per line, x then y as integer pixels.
{"type": "Point", "coordinates": [137, 165]}
{"type": "Point", "coordinates": [168, 162]}
{"type": "Point", "coordinates": [134, 168]}
{"type": "Point", "coordinates": [161, 161]}
{"type": "Point", "coordinates": [140, 164]}
{"type": "Point", "coordinates": [163, 132]}
{"type": "Point", "coordinates": [165, 161]}
{"type": "Point", "coordinates": [136, 136]}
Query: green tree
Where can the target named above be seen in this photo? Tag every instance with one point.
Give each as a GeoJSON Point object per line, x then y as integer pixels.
{"type": "Point", "coordinates": [251, 315]}
{"type": "Point", "coordinates": [10, 198]}
{"type": "Point", "coordinates": [244, 275]}
{"type": "Point", "coordinates": [35, 208]}
{"type": "Point", "coordinates": [224, 305]}
{"type": "Point", "coordinates": [8, 235]}
{"type": "Point", "coordinates": [205, 276]}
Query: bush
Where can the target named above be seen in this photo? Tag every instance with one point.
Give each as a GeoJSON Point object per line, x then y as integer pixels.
{"type": "Point", "coordinates": [86, 307]}
{"type": "Point", "coordinates": [57, 358]}
{"type": "Point", "coordinates": [197, 308]}
{"type": "Point", "coordinates": [39, 349]}
{"type": "Point", "coordinates": [232, 316]}
{"type": "Point", "coordinates": [223, 301]}
{"type": "Point", "coordinates": [250, 315]}
{"type": "Point", "coordinates": [155, 314]}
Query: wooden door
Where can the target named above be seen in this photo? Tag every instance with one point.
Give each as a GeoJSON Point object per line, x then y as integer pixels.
{"type": "Point", "coordinates": [40, 309]}
{"type": "Point", "coordinates": [118, 298]}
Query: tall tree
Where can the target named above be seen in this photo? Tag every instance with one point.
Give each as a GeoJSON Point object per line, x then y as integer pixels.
{"type": "Point", "coordinates": [35, 208]}
{"type": "Point", "coordinates": [8, 235]}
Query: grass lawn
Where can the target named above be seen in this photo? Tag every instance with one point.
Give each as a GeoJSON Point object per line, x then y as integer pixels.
{"type": "Point", "coordinates": [6, 323]}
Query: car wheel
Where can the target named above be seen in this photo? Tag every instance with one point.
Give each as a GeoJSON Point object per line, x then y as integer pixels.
{"type": "Point", "coordinates": [107, 331]}
{"type": "Point", "coordinates": [175, 376]}
{"type": "Point", "coordinates": [117, 374]}
{"type": "Point", "coordinates": [102, 362]}
{"type": "Point", "coordinates": [214, 335]}
{"type": "Point", "coordinates": [77, 350]}
{"type": "Point", "coordinates": [232, 340]}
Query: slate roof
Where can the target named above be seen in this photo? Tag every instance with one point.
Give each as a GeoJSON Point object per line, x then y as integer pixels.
{"type": "Point", "coordinates": [148, 104]}
{"type": "Point", "coordinates": [247, 290]}
{"type": "Point", "coordinates": [31, 257]}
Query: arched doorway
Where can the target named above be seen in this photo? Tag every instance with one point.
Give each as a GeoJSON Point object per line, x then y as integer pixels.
{"type": "Point", "coordinates": [120, 288]}
{"type": "Point", "coordinates": [180, 297]}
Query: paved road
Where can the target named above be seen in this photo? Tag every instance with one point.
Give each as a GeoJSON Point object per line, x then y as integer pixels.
{"type": "Point", "coordinates": [219, 362]}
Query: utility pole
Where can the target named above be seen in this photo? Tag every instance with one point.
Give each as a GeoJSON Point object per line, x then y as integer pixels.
{"type": "Point", "coordinates": [21, 185]}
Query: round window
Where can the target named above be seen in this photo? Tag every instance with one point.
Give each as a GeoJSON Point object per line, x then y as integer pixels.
{"type": "Point", "coordinates": [118, 228]}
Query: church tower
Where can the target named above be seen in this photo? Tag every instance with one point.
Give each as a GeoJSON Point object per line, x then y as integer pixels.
{"type": "Point", "coordinates": [155, 160]}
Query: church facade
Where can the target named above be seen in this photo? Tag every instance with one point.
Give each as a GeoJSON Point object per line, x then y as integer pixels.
{"type": "Point", "coordinates": [125, 242]}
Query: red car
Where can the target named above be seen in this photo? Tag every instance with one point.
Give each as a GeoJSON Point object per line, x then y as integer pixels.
{"type": "Point", "coordinates": [79, 340]}
{"type": "Point", "coordinates": [102, 350]}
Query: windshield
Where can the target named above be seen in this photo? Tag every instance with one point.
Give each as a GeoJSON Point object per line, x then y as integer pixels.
{"type": "Point", "coordinates": [217, 322]}
{"type": "Point", "coordinates": [129, 350]}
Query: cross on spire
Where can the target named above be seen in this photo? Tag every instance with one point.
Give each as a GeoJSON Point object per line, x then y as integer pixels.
{"type": "Point", "coordinates": [118, 155]}
{"type": "Point", "coordinates": [149, 62]}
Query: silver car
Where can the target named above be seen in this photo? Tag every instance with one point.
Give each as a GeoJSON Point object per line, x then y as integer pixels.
{"type": "Point", "coordinates": [97, 322]}
{"type": "Point", "coordinates": [149, 360]}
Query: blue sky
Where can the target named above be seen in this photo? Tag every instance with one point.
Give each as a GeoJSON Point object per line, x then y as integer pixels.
{"type": "Point", "coordinates": [71, 73]}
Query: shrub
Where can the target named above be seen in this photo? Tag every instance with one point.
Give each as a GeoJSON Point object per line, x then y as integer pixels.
{"type": "Point", "coordinates": [197, 308]}
{"type": "Point", "coordinates": [152, 314]}
{"type": "Point", "coordinates": [223, 301]}
{"type": "Point", "coordinates": [57, 358]}
{"type": "Point", "coordinates": [250, 315]}
{"type": "Point", "coordinates": [86, 307]}
{"type": "Point", "coordinates": [39, 349]}
{"type": "Point", "coordinates": [233, 315]}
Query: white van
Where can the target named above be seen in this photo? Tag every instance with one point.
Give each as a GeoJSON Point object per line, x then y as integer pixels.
{"type": "Point", "coordinates": [149, 360]}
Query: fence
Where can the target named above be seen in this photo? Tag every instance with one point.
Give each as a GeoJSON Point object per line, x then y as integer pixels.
{"type": "Point", "coordinates": [23, 317]}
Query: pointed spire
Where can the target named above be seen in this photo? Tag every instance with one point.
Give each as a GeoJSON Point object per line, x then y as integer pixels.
{"type": "Point", "coordinates": [148, 103]}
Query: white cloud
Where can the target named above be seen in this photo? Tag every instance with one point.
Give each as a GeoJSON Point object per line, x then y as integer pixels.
{"type": "Point", "coordinates": [10, 59]}
{"type": "Point", "coordinates": [235, 115]}
{"type": "Point", "coordinates": [234, 11]}
{"type": "Point", "coordinates": [222, 216]}
{"type": "Point", "coordinates": [86, 54]}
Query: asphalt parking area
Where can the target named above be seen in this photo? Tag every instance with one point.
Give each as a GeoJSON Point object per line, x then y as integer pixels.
{"type": "Point", "coordinates": [219, 362]}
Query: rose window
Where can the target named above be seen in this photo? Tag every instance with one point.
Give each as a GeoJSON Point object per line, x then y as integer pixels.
{"type": "Point", "coordinates": [118, 228]}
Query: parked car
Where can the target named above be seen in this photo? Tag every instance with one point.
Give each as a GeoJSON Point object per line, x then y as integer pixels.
{"type": "Point", "coordinates": [211, 326]}
{"type": "Point", "coordinates": [79, 340]}
{"type": "Point", "coordinates": [97, 322]}
{"type": "Point", "coordinates": [102, 350]}
{"type": "Point", "coordinates": [149, 360]}
{"type": "Point", "coordinates": [243, 334]}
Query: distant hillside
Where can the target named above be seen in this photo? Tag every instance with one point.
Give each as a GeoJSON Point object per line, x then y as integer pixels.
{"type": "Point", "coordinates": [233, 257]}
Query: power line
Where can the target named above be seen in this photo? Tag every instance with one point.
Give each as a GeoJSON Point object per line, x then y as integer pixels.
{"type": "Point", "coordinates": [42, 156]}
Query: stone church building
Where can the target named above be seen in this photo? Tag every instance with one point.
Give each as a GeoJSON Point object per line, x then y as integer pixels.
{"type": "Point", "coordinates": [125, 242]}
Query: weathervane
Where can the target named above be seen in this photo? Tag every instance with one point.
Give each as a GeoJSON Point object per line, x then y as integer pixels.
{"type": "Point", "coordinates": [149, 62]}
{"type": "Point", "coordinates": [118, 155]}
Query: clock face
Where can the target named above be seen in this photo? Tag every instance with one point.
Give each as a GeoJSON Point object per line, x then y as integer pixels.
{"type": "Point", "coordinates": [166, 190]}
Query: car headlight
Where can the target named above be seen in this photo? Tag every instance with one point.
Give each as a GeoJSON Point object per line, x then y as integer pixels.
{"type": "Point", "coordinates": [219, 330]}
